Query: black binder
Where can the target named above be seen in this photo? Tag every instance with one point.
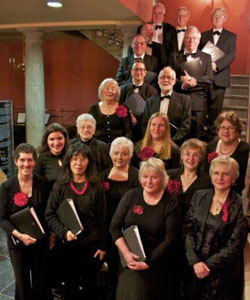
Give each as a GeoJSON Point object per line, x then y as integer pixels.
{"type": "Point", "coordinates": [26, 221]}
{"type": "Point", "coordinates": [69, 217]}
{"type": "Point", "coordinates": [134, 243]}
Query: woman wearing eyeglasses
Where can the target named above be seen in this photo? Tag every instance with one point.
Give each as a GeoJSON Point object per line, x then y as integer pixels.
{"type": "Point", "coordinates": [229, 128]}
{"type": "Point", "coordinates": [189, 178]}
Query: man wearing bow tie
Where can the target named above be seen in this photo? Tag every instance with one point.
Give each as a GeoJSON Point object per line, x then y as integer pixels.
{"type": "Point", "coordinates": [123, 75]}
{"type": "Point", "coordinates": [163, 31]}
{"type": "Point", "coordinates": [224, 40]}
{"type": "Point", "coordinates": [183, 16]}
{"type": "Point", "coordinates": [194, 85]}
{"type": "Point", "coordinates": [176, 106]}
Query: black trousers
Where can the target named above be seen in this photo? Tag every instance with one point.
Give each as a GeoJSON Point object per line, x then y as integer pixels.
{"type": "Point", "coordinates": [30, 269]}
{"type": "Point", "coordinates": [80, 267]}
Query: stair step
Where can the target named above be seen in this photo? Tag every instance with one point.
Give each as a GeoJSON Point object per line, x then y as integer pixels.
{"type": "Point", "coordinates": [239, 79]}
{"type": "Point", "coordinates": [237, 89]}
{"type": "Point", "coordinates": [233, 100]}
{"type": "Point", "coordinates": [242, 112]}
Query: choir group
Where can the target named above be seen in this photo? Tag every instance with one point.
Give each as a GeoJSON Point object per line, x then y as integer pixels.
{"type": "Point", "coordinates": [149, 167]}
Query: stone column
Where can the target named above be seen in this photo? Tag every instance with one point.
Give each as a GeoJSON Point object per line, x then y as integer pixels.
{"type": "Point", "coordinates": [34, 86]}
{"type": "Point", "coordinates": [128, 35]}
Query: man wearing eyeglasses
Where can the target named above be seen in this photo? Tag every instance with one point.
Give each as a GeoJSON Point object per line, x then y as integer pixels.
{"type": "Point", "coordinates": [225, 41]}
{"type": "Point", "coordinates": [123, 75]}
{"type": "Point", "coordinates": [137, 86]}
{"type": "Point", "coordinates": [194, 82]}
{"type": "Point", "coordinates": [176, 106]}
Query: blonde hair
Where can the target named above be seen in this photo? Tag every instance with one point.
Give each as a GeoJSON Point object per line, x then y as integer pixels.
{"type": "Point", "coordinates": [194, 144]}
{"type": "Point", "coordinates": [157, 166]}
{"type": "Point", "coordinates": [166, 144]}
{"type": "Point", "coordinates": [230, 162]}
{"type": "Point", "coordinates": [122, 142]}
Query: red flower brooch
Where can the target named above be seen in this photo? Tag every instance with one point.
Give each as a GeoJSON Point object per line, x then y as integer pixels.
{"type": "Point", "coordinates": [146, 153]}
{"type": "Point", "coordinates": [21, 199]}
{"type": "Point", "coordinates": [211, 156]}
{"type": "Point", "coordinates": [174, 186]}
{"type": "Point", "coordinates": [138, 209]}
{"type": "Point", "coordinates": [106, 185]}
{"type": "Point", "coordinates": [121, 111]}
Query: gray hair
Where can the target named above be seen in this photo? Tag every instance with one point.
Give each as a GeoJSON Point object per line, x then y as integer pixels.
{"type": "Point", "coordinates": [156, 165]}
{"type": "Point", "coordinates": [167, 68]}
{"type": "Point", "coordinates": [193, 28]}
{"type": "Point", "coordinates": [122, 142]}
{"type": "Point", "coordinates": [84, 117]}
{"type": "Point", "coordinates": [230, 162]}
{"type": "Point", "coordinates": [222, 9]}
{"type": "Point", "coordinates": [161, 6]}
{"type": "Point", "coordinates": [102, 85]}
{"type": "Point", "coordinates": [183, 8]}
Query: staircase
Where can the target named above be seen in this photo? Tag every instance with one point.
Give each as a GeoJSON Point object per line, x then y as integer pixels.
{"type": "Point", "coordinates": [237, 99]}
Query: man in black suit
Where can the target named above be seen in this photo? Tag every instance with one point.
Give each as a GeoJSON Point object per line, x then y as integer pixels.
{"type": "Point", "coordinates": [176, 106]}
{"type": "Point", "coordinates": [145, 90]}
{"type": "Point", "coordinates": [183, 16]}
{"type": "Point", "coordinates": [123, 75]}
{"type": "Point", "coordinates": [163, 31]}
{"type": "Point", "coordinates": [195, 84]}
{"type": "Point", "coordinates": [224, 40]}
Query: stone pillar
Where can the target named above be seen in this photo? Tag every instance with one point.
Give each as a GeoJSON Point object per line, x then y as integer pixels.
{"type": "Point", "coordinates": [34, 86]}
{"type": "Point", "coordinates": [128, 35]}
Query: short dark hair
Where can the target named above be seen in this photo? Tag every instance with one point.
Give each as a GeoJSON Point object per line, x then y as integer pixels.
{"type": "Point", "coordinates": [75, 149]}
{"type": "Point", "coordinates": [24, 148]}
{"type": "Point", "coordinates": [54, 127]}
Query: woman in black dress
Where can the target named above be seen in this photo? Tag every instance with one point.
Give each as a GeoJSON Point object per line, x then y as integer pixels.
{"type": "Point", "coordinates": [28, 255]}
{"type": "Point", "coordinates": [216, 233]}
{"type": "Point", "coordinates": [229, 128]}
{"type": "Point", "coordinates": [117, 180]}
{"type": "Point", "coordinates": [157, 142]}
{"type": "Point", "coordinates": [113, 120]}
{"type": "Point", "coordinates": [189, 178]}
{"type": "Point", "coordinates": [54, 145]}
{"type": "Point", "coordinates": [156, 212]}
{"type": "Point", "coordinates": [86, 128]}
{"type": "Point", "coordinates": [81, 253]}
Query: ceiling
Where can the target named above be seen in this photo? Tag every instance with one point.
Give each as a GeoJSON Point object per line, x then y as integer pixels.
{"type": "Point", "coordinates": [16, 15]}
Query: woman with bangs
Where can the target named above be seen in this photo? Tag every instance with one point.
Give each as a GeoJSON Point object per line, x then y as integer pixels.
{"type": "Point", "coordinates": [81, 253]}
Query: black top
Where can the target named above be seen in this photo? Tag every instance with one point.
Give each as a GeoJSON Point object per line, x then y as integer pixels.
{"type": "Point", "coordinates": [116, 189]}
{"type": "Point", "coordinates": [223, 253]}
{"type": "Point", "coordinates": [158, 224]}
{"type": "Point", "coordinates": [91, 208]}
{"type": "Point", "coordinates": [240, 154]}
{"type": "Point", "coordinates": [172, 163]}
{"type": "Point", "coordinates": [49, 166]}
{"type": "Point", "coordinates": [38, 200]}
{"type": "Point", "coordinates": [99, 150]}
{"type": "Point", "coordinates": [202, 181]}
{"type": "Point", "coordinates": [109, 127]}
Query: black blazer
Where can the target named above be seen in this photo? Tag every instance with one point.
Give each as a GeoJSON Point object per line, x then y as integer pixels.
{"type": "Point", "coordinates": [179, 114]}
{"type": "Point", "coordinates": [198, 97]}
{"type": "Point", "coordinates": [123, 75]}
{"type": "Point", "coordinates": [227, 43]}
{"type": "Point", "coordinates": [145, 91]}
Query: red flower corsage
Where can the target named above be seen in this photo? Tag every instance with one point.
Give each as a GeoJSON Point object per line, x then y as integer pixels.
{"type": "Point", "coordinates": [138, 209]}
{"type": "Point", "coordinates": [211, 156]}
{"type": "Point", "coordinates": [173, 186]}
{"type": "Point", "coordinates": [21, 199]}
{"type": "Point", "coordinates": [121, 111]}
{"type": "Point", "coordinates": [146, 153]}
{"type": "Point", "coordinates": [106, 185]}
